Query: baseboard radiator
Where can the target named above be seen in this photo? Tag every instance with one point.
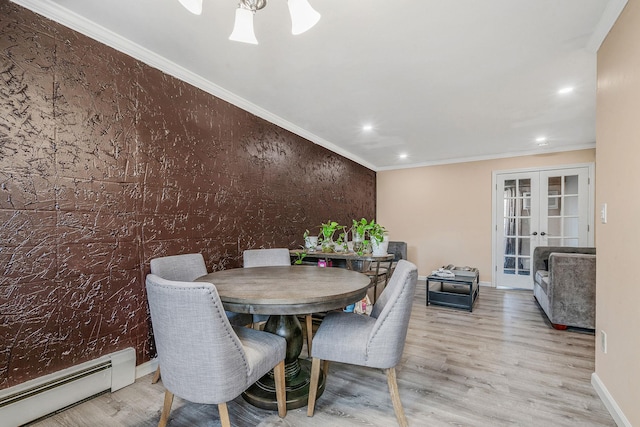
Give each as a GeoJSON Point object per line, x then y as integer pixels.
{"type": "Point", "coordinates": [42, 396]}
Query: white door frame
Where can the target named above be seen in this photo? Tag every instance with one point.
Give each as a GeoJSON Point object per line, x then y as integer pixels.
{"type": "Point", "coordinates": [494, 223]}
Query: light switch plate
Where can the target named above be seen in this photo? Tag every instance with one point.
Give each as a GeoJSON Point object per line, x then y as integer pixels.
{"type": "Point", "coordinates": [603, 213]}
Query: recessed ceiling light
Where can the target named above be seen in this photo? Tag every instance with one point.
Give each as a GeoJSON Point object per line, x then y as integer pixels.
{"type": "Point", "coordinates": [367, 127]}
{"type": "Point", "coordinates": [565, 90]}
{"type": "Point", "coordinates": [403, 155]}
{"type": "Point", "coordinates": [542, 141]}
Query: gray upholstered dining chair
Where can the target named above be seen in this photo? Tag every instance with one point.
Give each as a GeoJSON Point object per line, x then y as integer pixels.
{"type": "Point", "coordinates": [186, 268]}
{"type": "Point", "coordinates": [204, 358]}
{"type": "Point", "coordinates": [265, 258]}
{"type": "Point", "coordinates": [376, 341]}
{"type": "Point", "coordinates": [270, 258]}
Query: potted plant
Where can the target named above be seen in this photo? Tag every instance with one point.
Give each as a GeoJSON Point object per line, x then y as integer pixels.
{"type": "Point", "coordinates": [360, 232]}
{"type": "Point", "coordinates": [310, 242]}
{"type": "Point", "coordinates": [327, 230]}
{"type": "Point", "coordinates": [379, 239]}
{"type": "Point", "coordinates": [300, 256]}
{"type": "Point", "coordinates": [341, 243]}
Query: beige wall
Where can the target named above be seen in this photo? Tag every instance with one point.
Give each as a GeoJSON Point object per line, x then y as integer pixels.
{"type": "Point", "coordinates": [444, 212]}
{"type": "Point", "coordinates": [617, 179]}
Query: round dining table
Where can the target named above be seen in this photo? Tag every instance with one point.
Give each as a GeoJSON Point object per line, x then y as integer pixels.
{"type": "Point", "coordinates": [284, 292]}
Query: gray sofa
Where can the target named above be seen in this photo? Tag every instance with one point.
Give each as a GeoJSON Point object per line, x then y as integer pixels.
{"type": "Point", "coordinates": [565, 285]}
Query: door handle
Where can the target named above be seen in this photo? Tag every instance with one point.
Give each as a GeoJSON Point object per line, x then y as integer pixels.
{"type": "Point", "coordinates": [535, 233]}
{"type": "Point", "coordinates": [543, 233]}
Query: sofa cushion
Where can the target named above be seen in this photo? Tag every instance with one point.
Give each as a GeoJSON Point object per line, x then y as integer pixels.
{"type": "Point", "coordinates": [542, 279]}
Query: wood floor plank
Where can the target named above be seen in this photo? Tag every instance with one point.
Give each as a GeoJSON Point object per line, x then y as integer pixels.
{"type": "Point", "coordinates": [501, 365]}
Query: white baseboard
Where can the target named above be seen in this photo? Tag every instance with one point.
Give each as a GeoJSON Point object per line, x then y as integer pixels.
{"type": "Point", "coordinates": [49, 393]}
{"type": "Point", "coordinates": [146, 368]}
{"type": "Point", "coordinates": [609, 402]}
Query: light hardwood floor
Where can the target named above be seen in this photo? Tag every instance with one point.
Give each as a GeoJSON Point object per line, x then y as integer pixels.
{"type": "Point", "coordinates": [502, 365]}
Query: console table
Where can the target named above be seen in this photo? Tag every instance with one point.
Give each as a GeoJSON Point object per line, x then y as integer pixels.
{"type": "Point", "coordinates": [458, 291]}
{"type": "Point", "coordinates": [373, 266]}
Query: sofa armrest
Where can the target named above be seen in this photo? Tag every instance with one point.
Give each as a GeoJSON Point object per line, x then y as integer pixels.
{"type": "Point", "coordinates": [541, 255]}
{"type": "Point", "coordinates": [572, 289]}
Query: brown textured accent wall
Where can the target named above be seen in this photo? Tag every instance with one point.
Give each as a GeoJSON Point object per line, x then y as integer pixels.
{"type": "Point", "coordinates": [106, 163]}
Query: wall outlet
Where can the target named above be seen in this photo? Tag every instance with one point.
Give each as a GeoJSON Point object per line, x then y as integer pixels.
{"type": "Point", "coordinates": [603, 341]}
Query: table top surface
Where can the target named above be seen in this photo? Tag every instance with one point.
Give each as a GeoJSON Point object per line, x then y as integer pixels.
{"type": "Point", "coordinates": [287, 289]}
{"type": "Point", "coordinates": [457, 279]}
{"type": "Point", "coordinates": [342, 255]}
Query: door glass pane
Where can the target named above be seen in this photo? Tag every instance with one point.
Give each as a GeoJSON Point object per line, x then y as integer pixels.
{"type": "Point", "coordinates": [509, 187]}
{"type": "Point", "coordinates": [524, 268]}
{"type": "Point", "coordinates": [509, 246]}
{"type": "Point", "coordinates": [571, 185]}
{"type": "Point", "coordinates": [554, 226]}
{"type": "Point", "coordinates": [554, 183]}
{"type": "Point", "coordinates": [509, 226]}
{"type": "Point", "coordinates": [509, 208]}
{"type": "Point", "coordinates": [554, 241]}
{"type": "Point", "coordinates": [525, 246]}
{"type": "Point", "coordinates": [555, 203]}
{"type": "Point", "coordinates": [509, 265]}
{"type": "Point", "coordinates": [523, 227]}
{"type": "Point", "coordinates": [571, 205]}
{"type": "Point", "coordinates": [571, 227]}
{"type": "Point", "coordinates": [524, 206]}
{"type": "Point", "coordinates": [571, 242]}
{"type": "Point", "coordinates": [524, 187]}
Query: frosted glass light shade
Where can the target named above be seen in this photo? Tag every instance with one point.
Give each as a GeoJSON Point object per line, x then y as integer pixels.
{"type": "Point", "coordinates": [193, 6]}
{"type": "Point", "coordinates": [303, 16]}
{"type": "Point", "coordinates": [243, 27]}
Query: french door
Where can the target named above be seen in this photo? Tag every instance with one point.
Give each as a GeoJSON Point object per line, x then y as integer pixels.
{"type": "Point", "coordinates": [538, 208]}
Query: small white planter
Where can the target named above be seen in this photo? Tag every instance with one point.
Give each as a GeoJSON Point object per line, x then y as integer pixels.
{"type": "Point", "coordinates": [311, 242]}
{"type": "Point", "coordinates": [380, 249]}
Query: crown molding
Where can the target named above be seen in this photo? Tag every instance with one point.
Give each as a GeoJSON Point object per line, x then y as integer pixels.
{"type": "Point", "coordinates": [607, 20]}
{"type": "Point", "coordinates": [90, 29]}
{"type": "Point", "coordinates": [539, 151]}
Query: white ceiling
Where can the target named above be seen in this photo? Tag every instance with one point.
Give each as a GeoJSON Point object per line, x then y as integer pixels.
{"type": "Point", "coordinates": [440, 80]}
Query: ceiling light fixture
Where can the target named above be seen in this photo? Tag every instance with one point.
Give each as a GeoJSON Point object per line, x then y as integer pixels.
{"type": "Point", "coordinates": [193, 6]}
{"type": "Point", "coordinates": [565, 90]}
{"type": "Point", "coordinates": [303, 17]}
{"type": "Point", "coordinates": [542, 141]}
{"type": "Point", "coordinates": [403, 155]}
{"type": "Point", "coordinates": [367, 128]}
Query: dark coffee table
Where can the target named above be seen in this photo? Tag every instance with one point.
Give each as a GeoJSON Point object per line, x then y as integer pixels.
{"type": "Point", "coordinates": [458, 292]}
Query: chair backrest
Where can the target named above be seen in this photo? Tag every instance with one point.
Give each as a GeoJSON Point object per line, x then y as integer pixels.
{"type": "Point", "coordinates": [398, 249]}
{"type": "Point", "coordinates": [266, 257]}
{"type": "Point", "coordinates": [392, 311]}
{"type": "Point", "coordinates": [184, 268]}
{"type": "Point", "coordinates": [201, 357]}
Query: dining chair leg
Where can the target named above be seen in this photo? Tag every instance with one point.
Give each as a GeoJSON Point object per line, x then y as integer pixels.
{"type": "Point", "coordinates": [166, 408]}
{"type": "Point", "coordinates": [325, 368]}
{"type": "Point", "coordinates": [224, 414]}
{"type": "Point", "coordinates": [309, 323]}
{"type": "Point", "coordinates": [313, 386]}
{"type": "Point", "coordinates": [156, 376]}
{"type": "Point", "coordinates": [281, 393]}
{"type": "Point", "coordinates": [395, 397]}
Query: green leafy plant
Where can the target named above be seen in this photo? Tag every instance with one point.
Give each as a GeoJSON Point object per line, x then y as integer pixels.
{"type": "Point", "coordinates": [377, 232]}
{"type": "Point", "coordinates": [341, 241]}
{"type": "Point", "coordinates": [361, 228]}
{"type": "Point", "coordinates": [360, 232]}
{"type": "Point", "coordinates": [300, 256]}
{"type": "Point", "coordinates": [327, 230]}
